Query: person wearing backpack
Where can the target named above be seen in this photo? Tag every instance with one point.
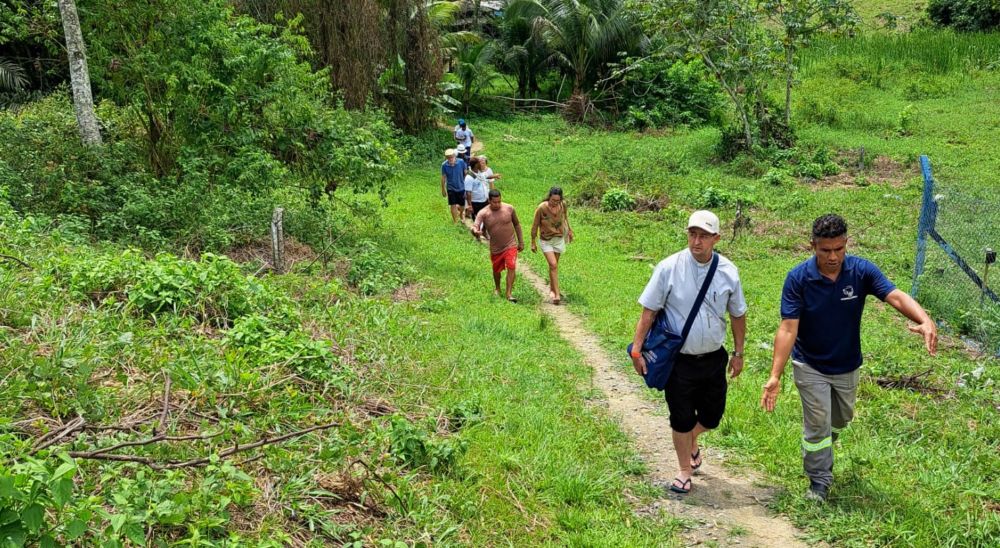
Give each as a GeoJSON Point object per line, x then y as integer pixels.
{"type": "Point", "coordinates": [698, 281]}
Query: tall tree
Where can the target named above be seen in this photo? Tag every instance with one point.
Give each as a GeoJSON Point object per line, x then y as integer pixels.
{"type": "Point", "coordinates": [729, 39]}
{"type": "Point", "coordinates": [800, 20]}
{"type": "Point", "coordinates": [524, 53]}
{"type": "Point", "coordinates": [474, 68]}
{"type": "Point", "coordinates": [586, 35]}
{"type": "Point", "coordinates": [83, 101]}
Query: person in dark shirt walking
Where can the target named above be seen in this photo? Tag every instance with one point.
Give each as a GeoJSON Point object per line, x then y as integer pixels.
{"type": "Point", "coordinates": [821, 306]}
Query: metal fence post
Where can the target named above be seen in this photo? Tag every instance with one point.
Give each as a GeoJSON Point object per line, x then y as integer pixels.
{"type": "Point", "coordinates": [927, 221]}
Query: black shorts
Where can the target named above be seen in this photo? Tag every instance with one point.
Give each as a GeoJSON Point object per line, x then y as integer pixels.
{"type": "Point", "coordinates": [696, 390]}
{"type": "Point", "coordinates": [456, 197]}
{"type": "Point", "coordinates": [477, 207]}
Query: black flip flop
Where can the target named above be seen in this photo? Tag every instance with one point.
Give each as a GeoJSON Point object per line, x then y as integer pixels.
{"type": "Point", "coordinates": [683, 489]}
{"type": "Point", "coordinates": [512, 299]}
{"type": "Point", "coordinates": [696, 456]}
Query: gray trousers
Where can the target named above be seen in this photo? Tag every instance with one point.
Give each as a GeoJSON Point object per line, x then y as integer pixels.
{"type": "Point", "coordinates": [827, 407]}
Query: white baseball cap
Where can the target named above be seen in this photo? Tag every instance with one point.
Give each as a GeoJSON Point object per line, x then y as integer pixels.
{"type": "Point", "coordinates": [449, 152]}
{"type": "Point", "coordinates": [705, 220]}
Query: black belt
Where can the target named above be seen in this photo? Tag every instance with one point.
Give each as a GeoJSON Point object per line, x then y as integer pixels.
{"type": "Point", "coordinates": [701, 356]}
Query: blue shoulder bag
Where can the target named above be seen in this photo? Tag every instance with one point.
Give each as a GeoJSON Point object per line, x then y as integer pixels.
{"type": "Point", "coordinates": [662, 343]}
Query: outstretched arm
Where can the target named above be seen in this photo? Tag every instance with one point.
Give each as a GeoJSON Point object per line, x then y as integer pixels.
{"type": "Point", "coordinates": [911, 309]}
{"type": "Point", "coordinates": [784, 339]}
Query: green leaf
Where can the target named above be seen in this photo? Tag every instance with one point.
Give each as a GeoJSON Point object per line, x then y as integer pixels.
{"type": "Point", "coordinates": [64, 468]}
{"type": "Point", "coordinates": [33, 517]}
{"type": "Point", "coordinates": [75, 529]}
{"type": "Point", "coordinates": [13, 534]}
{"type": "Point", "coordinates": [7, 489]}
{"type": "Point", "coordinates": [47, 542]}
{"type": "Point", "coordinates": [62, 491]}
{"type": "Point", "coordinates": [136, 534]}
{"type": "Point", "coordinates": [117, 520]}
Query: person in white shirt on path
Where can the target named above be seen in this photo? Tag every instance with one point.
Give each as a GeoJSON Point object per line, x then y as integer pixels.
{"type": "Point", "coordinates": [696, 388]}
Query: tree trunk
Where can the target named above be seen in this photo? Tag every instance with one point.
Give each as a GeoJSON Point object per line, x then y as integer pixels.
{"type": "Point", "coordinates": [83, 101]}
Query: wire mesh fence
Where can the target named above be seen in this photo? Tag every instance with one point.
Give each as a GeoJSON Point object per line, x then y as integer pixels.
{"type": "Point", "coordinates": [957, 276]}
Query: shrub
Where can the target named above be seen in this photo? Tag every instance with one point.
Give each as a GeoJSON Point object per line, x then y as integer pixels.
{"type": "Point", "coordinates": [213, 290]}
{"type": "Point", "coordinates": [208, 122]}
{"type": "Point", "coordinates": [965, 15]}
{"type": "Point", "coordinates": [414, 446]}
{"type": "Point", "coordinates": [774, 177]}
{"type": "Point", "coordinates": [664, 92]}
{"type": "Point", "coordinates": [617, 199]}
{"type": "Point", "coordinates": [373, 271]}
{"type": "Point", "coordinates": [267, 342]}
{"type": "Point", "coordinates": [712, 197]}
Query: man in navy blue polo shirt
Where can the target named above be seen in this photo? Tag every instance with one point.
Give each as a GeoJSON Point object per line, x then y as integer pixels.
{"type": "Point", "coordinates": [821, 306]}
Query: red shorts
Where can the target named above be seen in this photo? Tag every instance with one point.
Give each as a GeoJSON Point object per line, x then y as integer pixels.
{"type": "Point", "coordinates": [506, 259]}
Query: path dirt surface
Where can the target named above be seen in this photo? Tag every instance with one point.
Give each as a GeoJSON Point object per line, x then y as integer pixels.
{"type": "Point", "coordinates": [722, 509]}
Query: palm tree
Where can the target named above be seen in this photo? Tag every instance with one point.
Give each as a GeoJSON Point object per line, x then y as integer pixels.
{"type": "Point", "coordinates": [525, 53]}
{"type": "Point", "coordinates": [12, 76]}
{"type": "Point", "coordinates": [585, 35]}
{"type": "Point", "coordinates": [474, 69]}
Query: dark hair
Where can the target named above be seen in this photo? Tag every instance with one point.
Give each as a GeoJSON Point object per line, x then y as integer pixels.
{"type": "Point", "coordinates": [474, 163]}
{"type": "Point", "coordinates": [494, 193]}
{"type": "Point", "coordinates": [554, 191]}
{"type": "Point", "coordinates": [830, 225]}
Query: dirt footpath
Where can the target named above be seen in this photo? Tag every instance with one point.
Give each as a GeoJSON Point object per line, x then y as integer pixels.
{"type": "Point", "coordinates": [723, 509]}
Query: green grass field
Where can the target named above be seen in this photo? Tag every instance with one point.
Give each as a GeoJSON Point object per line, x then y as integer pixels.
{"type": "Point", "coordinates": [914, 469]}
{"type": "Point", "coordinates": [462, 419]}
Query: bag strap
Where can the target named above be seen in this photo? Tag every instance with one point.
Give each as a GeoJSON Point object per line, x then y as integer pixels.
{"type": "Point", "coordinates": [701, 297]}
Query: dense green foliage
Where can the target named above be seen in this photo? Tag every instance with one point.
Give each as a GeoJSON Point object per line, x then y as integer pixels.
{"type": "Point", "coordinates": [212, 120]}
{"type": "Point", "coordinates": [965, 15]}
{"type": "Point", "coordinates": [661, 93]}
{"type": "Point", "coordinates": [420, 452]}
{"type": "Point", "coordinates": [444, 416]}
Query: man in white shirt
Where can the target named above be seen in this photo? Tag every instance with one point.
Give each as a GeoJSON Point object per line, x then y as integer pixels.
{"type": "Point", "coordinates": [696, 389]}
{"type": "Point", "coordinates": [464, 137]}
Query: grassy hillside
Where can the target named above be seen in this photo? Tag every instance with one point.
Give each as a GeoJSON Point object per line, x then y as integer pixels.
{"type": "Point", "coordinates": [428, 416]}
{"type": "Point", "coordinates": [918, 466]}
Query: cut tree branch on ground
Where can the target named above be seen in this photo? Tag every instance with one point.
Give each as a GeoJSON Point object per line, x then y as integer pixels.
{"type": "Point", "coordinates": [16, 260]}
{"type": "Point", "coordinates": [103, 454]}
{"type": "Point", "coordinates": [54, 436]}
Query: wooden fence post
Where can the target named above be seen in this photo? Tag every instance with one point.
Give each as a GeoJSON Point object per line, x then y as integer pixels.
{"type": "Point", "coordinates": [278, 240]}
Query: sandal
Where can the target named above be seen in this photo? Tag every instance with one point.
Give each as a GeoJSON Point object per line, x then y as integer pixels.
{"type": "Point", "coordinates": [512, 299]}
{"type": "Point", "coordinates": [682, 487]}
{"type": "Point", "coordinates": [696, 459]}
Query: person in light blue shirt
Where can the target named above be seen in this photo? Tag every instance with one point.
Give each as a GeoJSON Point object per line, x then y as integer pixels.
{"type": "Point", "coordinates": [696, 388]}
{"type": "Point", "coordinates": [453, 183]}
{"type": "Point", "coordinates": [821, 306]}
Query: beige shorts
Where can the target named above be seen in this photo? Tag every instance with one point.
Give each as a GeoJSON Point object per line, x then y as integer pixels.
{"type": "Point", "coordinates": [555, 245]}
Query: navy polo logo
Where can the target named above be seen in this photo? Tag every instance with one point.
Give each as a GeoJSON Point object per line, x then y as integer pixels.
{"type": "Point", "coordinates": [849, 293]}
